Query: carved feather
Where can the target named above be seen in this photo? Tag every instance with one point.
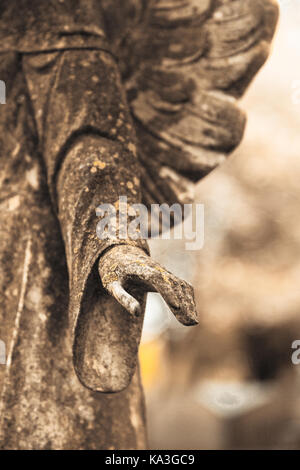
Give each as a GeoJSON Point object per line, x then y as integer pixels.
{"type": "Point", "coordinates": [185, 63]}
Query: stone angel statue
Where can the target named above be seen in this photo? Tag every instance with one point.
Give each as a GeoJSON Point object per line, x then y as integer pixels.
{"type": "Point", "coordinates": [103, 98]}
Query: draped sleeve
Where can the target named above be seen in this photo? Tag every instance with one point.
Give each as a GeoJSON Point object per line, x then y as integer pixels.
{"type": "Point", "coordinates": [87, 142]}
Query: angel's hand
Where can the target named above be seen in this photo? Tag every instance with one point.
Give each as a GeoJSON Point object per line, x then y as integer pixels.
{"type": "Point", "coordinates": [127, 272]}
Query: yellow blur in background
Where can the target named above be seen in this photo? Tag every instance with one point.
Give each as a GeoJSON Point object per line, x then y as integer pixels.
{"type": "Point", "coordinates": [150, 354]}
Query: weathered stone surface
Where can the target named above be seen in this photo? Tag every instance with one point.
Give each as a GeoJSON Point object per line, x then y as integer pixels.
{"type": "Point", "coordinates": [43, 405]}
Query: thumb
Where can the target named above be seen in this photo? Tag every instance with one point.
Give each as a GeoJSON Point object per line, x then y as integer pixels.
{"type": "Point", "coordinates": [127, 301]}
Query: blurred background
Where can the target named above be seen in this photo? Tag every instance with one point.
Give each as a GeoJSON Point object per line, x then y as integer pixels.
{"type": "Point", "coordinates": [230, 383]}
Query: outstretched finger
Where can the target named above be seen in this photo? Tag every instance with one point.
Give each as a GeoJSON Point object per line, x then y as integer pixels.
{"type": "Point", "coordinates": [188, 312]}
{"type": "Point", "coordinates": [179, 296]}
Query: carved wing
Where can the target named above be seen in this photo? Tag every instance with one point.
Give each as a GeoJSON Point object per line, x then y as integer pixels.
{"type": "Point", "coordinates": [185, 63]}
